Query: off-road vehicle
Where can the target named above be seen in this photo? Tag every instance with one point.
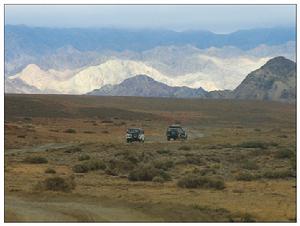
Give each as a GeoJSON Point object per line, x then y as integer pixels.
{"type": "Point", "coordinates": [135, 134]}
{"type": "Point", "coordinates": [176, 132]}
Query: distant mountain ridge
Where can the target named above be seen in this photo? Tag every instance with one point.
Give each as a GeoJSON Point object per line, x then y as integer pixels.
{"type": "Point", "coordinates": [275, 80]}
{"type": "Point", "coordinates": [73, 48]}
{"type": "Point", "coordinates": [215, 73]}
{"type": "Point", "coordinates": [143, 85]}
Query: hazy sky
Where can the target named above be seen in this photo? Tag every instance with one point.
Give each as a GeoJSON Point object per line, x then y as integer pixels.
{"type": "Point", "coordinates": [218, 18]}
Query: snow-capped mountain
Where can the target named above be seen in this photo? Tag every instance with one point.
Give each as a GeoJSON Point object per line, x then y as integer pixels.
{"type": "Point", "coordinates": [216, 74]}
{"type": "Point", "coordinates": [35, 62]}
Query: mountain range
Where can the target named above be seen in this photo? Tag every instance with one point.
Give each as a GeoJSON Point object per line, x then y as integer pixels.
{"type": "Point", "coordinates": [168, 51]}
{"type": "Point", "coordinates": [79, 61]}
{"type": "Point", "coordinates": [275, 80]}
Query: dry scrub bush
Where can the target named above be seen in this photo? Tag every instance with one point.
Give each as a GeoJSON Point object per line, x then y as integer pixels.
{"type": "Point", "coordinates": [249, 164]}
{"type": "Point", "coordinates": [184, 148]}
{"type": "Point", "coordinates": [246, 176]}
{"type": "Point", "coordinates": [163, 151]}
{"type": "Point", "coordinates": [158, 179]}
{"type": "Point", "coordinates": [196, 181]}
{"type": "Point", "coordinates": [35, 160]}
{"type": "Point", "coordinates": [50, 171]}
{"type": "Point", "coordinates": [80, 168]}
{"type": "Point", "coordinates": [89, 166]}
{"type": "Point", "coordinates": [73, 150]}
{"type": "Point", "coordinates": [253, 144]}
{"type": "Point", "coordinates": [57, 184]}
{"type": "Point", "coordinates": [147, 173]}
{"type": "Point", "coordinates": [84, 157]}
{"type": "Point", "coordinates": [269, 174]}
{"type": "Point", "coordinates": [276, 174]}
{"type": "Point", "coordinates": [163, 164]}
{"type": "Point", "coordinates": [285, 153]}
{"type": "Point", "coordinates": [70, 131]}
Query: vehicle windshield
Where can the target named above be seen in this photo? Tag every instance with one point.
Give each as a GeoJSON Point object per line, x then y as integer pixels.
{"type": "Point", "coordinates": [178, 129]}
{"type": "Point", "coordinates": [172, 129]}
{"type": "Point", "coordinates": [133, 131]}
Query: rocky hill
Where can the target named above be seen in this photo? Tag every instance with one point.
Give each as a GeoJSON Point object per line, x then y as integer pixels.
{"type": "Point", "coordinates": [143, 85]}
{"type": "Point", "coordinates": [276, 80]}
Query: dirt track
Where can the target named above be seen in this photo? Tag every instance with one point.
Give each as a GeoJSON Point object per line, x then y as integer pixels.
{"type": "Point", "coordinates": [63, 209]}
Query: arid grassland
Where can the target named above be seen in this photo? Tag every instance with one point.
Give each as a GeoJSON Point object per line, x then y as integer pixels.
{"type": "Point", "coordinates": [66, 159]}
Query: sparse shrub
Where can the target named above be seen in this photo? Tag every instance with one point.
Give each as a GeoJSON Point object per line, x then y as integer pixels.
{"type": "Point", "coordinates": [21, 136]}
{"type": "Point", "coordinates": [84, 157]}
{"type": "Point", "coordinates": [220, 146]}
{"type": "Point", "coordinates": [163, 164]}
{"type": "Point", "coordinates": [212, 147]}
{"type": "Point", "coordinates": [214, 159]}
{"type": "Point", "coordinates": [107, 121]}
{"type": "Point", "coordinates": [205, 172]}
{"type": "Point", "coordinates": [111, 172]}
{"type": "Point", "coordinates": [283, 136]}
{"type": "Point", "coordinates": [35, 160]}
{"type": "Point", "coordinates": [95, 165]}
{"type": "Point", "coordinates": [147, 173]}
{"type": "Point", "coordinates": [293, 162]}
{"type": "Point", "coordinates": [120, 123]}
{"type": "Point", "coordinates": [58, 184]}
{"type": "Point", "coordinates": [253, 144]}
{"type": "Point", "coordinates": [105, 132]}
{"type": "Point", "coordinates": [184, 148]}
{"type": "Point", "coordinates": [284, 153]}
{"type": "Point", "coordinates": [163, 151]}
{"type": "Point", "coordinates": [246, 176]}
{"type": "Point", "coordinates": [147, 156]}
{"type": "Point", "coordinates": [196, 181]}
{"type": "Point", "coordinates": [196, 160]}
{"type": "Point", "coordinates": [158, 179]}
{"type": "Point", "coordinates": [27, 119]}
{"type": "Point", "coordinates": [273, 144]}
{"type": "Point", "coordinates": [73, 150]}
{"type": "Point", "coordinates": [131, 156]}
{"type": "Point", "coordinates": [210, 210]}
{"type": "Point", "coordinates": [163, 174]}
{"type": "Point", "coordinates": [50, 171]}
{"type": "Point", "coordinates": [249, 164]}
{"type": "Point", "coordinates": [215, 166]}
{"type": "Point", "coordinates": [89, 132]}
{"type": "Point", "coordinates": [144, 173]}
{"type": "Point", "coordinates": [276, 174]}
{"type": "Point", "coordinates": [70, 131]}
{"type": "Point", "coordinates": [119, 166]}
{"type": "Point", "coordinates": [257, 130]}
{"type": "Point", "coordinates": [80, 168]}
{"type": "Point", "coordinates": [247, 218]}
